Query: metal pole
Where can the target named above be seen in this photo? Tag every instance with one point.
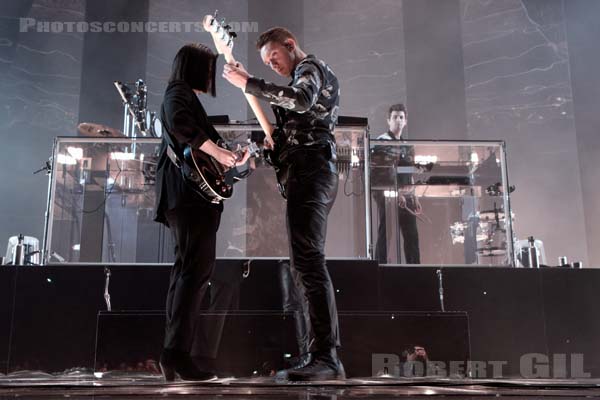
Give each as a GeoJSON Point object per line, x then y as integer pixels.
{"type": "Point", "coordinates": [507, 206]}
{"type": "Point", "coordinates": [441, 289]}
{"type": "Point", "coordinates": [367, 172]}
{"type": "Point", "coordinates": [49, 198]}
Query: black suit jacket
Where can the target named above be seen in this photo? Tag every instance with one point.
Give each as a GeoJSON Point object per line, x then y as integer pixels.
{"type": "Point", "coordinates": [185, 121]}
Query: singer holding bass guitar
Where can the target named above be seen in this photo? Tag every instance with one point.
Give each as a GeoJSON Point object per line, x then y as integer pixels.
{"type": "Point", "coordinates": [304, 143]}
{"type": "Point", "coordinates": [192, 218]}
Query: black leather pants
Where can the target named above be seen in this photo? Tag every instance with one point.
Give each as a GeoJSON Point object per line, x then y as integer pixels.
{"type": "Point", "coordinates": [294, 303]}
{"type": "Point", "coordinates": [311, 191]}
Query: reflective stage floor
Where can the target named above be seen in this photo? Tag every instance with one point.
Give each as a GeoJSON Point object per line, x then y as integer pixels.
{"type": "Point", "coordinates": [27, 385]}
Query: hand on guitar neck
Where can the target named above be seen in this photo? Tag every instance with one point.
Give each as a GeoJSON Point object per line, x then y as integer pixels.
{"type": "Point", "coordinates": [223, 39]}
{"type": "Point", "coordinates": [236, 74]}
{"type": "Point", "coordinates": [242, 155]}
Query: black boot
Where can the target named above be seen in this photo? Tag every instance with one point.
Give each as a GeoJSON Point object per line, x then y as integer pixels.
{"type": "Point", "coordinates": [301, 362]}
{"type": "Point", "coordinates": [205, 363]}
{"type": "Point", "coordinates": [174, 362]}
{"type": "Point", "coordinates": [325, 365]}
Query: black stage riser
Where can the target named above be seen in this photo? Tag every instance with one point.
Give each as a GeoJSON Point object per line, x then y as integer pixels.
{"type": "Point", "coordinates": [256, 343]}
{"type": "Point", "coordinates": [511, 312]}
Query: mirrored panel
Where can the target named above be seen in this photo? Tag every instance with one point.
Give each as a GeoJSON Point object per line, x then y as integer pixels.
{"type": "Point", "coordinates": [440, 203]}
{"type": "Point", "coordinates": [102, 198]}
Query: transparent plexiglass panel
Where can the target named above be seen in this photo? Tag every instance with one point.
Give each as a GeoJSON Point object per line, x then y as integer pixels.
{"type": "Point", "coordinates": [102, 197]}
{"type": "Point", "coordinates": [440, 203]}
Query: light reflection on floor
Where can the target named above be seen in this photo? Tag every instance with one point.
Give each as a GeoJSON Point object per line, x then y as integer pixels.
{"type": "Point", "coordinates": [127, 385]}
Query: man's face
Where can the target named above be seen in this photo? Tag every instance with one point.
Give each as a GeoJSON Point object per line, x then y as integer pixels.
{"type": "Point", "coordinates": [419, 354]}
{"type": "Point", "coordinates": [397, 121]}
{"type": "Point", "coordinates": [278, 57]}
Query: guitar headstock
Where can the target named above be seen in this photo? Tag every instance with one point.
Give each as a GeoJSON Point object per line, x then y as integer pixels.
{"type": "Point", "coordinates": [220, 32]}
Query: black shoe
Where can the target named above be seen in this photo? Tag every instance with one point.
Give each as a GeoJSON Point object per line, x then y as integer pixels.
{"type": "Point", "coordinates": [176, 363]}
{"type": "Point", "coordinates": [167, 364]}
{"type": "Point", "coordinates": [325, 366]}
{"type": "Point", "coordinates": [205, 363]}
{"type": "Point", "coordinates": [168, 372]}
{"type": "Point", "coordinates": [301, 362]}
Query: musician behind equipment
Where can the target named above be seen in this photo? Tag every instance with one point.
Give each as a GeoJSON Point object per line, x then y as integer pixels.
{"type": "Point", "coordinates": [408, 205]}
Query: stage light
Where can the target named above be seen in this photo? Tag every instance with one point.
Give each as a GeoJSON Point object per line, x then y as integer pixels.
{"type": "Point", "coordinates": [75, 152]}
{"type": "Point", "coordinates": [117, 155]}
{"type": "Point", "coordinates": [65, 159]}
{"type": "Point", "coordinates": [423, 159]}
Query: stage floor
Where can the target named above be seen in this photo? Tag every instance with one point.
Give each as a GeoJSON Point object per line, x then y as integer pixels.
{"type": "Point", "coordinates": [26, 385]}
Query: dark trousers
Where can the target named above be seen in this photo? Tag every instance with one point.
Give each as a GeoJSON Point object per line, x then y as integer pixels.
{"type": "Point", "coordinates": [225, 284]}
{"type": "Point", "coordinates": [195, 232]}
{"type": "Point", "coordinates": [408, 227]}
{"type": "Point", "coordinates": [311, 190]}
{"type": "Point", "coordinates": [294, 303]}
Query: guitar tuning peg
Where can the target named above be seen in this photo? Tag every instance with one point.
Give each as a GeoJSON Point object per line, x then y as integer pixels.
{"type": "Point", "coordinates": [233, 35]}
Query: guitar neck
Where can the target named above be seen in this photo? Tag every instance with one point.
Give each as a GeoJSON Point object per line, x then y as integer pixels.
{"type": "Point", "coordinates": [254, 103]}
{"type": "Point", "coordinates": [229, 58]}
{"type": "Point", "coordinates": [251, 147]}
{"type": "Point", "coordinates": [264, 122]}
{"type": "Point", "coordinates": [223, 42]}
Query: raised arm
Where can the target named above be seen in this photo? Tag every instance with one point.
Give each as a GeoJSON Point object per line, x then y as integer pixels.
{"type": "Point", "coordinates": [299, 97]}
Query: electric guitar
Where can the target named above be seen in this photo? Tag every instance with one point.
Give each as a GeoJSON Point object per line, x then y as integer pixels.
{"type": "Point", "coordinates": [223, 39]}
{"type": "Point", "coordinates": [208, 177]}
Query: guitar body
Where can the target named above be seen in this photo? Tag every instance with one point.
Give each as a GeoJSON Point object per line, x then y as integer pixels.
{"type": "Point", "coordinates": [273, 157]}
{"type": "Point", "coordinates": [206, 176]}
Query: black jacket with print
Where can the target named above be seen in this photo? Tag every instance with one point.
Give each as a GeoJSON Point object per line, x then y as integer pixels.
{"type": "Point", "coordinates": [307, 109]}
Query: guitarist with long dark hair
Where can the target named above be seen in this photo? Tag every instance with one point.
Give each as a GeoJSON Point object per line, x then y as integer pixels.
{"type": "Point", "coordinates": [192, 219]}
{"type": "Point", "coordinates": [307, 113]}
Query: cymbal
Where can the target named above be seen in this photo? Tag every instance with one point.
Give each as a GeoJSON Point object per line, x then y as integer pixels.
{"type": "Point", "coordinates": [98, 130]}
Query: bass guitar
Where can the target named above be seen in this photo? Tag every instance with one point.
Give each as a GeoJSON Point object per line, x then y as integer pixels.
{"type": "Point", "coordinates": [223, 40]}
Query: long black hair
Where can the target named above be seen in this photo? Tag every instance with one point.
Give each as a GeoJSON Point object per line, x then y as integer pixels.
{"type": "Point", "coordinates": [195, 64]}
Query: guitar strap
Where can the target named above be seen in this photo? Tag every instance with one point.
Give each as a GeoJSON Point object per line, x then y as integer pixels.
{"type": "Point", "coordinates": [171, 153]}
